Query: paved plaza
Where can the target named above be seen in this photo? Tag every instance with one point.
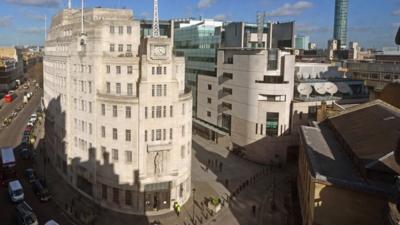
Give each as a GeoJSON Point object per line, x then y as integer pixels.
{"type": "Point", "coordinates": [245, 187]}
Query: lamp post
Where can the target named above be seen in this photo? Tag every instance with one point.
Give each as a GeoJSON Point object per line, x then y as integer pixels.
{"type": "Point", "coordinates": [194, 192]}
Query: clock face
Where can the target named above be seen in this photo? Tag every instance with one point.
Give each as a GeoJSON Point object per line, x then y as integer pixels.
{"type": "Point", "coordinates": [159, 51]}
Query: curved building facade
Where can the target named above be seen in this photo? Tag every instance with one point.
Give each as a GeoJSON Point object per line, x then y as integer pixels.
{"type": "Point", "coordinates": [118, 117]}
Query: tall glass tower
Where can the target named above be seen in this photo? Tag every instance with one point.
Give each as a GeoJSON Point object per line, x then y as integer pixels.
{"type": "Point", "coordinates": [340, 26]}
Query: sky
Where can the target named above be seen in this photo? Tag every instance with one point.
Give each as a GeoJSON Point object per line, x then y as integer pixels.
{"type": "Point", "coordinates": [373, 23]}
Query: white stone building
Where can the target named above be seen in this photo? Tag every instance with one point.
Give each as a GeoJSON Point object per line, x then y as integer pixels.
{"type": "Point", "coordinates": [251, 96]}
{"type": "Point", "coordinates": [118, 119]}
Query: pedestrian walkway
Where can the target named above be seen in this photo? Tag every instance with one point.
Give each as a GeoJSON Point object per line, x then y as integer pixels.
{"type": "Point", "coordinates": [216, 173]}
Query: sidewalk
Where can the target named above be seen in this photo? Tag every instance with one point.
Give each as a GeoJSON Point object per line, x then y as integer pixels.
{"type": "Point", "coordinates": [248, 182]}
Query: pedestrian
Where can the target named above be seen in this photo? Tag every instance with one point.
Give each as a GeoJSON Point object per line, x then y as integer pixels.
{"type": "Point", "coordinates": [220, 167]}
{"type": "Point", "coordinates": [178, 209]}
{"type": "Point", "coordinates": [254, 210]}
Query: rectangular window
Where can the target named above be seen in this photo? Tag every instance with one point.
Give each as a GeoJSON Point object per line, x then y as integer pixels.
{"type": "Point", "coordinates": [158, 135]}
{"type": "Point", "coordinates": [153, 90]}
{"type": "Point", "coordinates": [183, 130]}
{"type": "Point", "coordinates": [128, 112]}
{"type": "Point", "coordinates": [112, 47]}
{"type": "Point", "coordinates": [115, 154]}
{"type": "Point", "coordinates": [120, 29]}
{"type": "Point", "coordinates": [164, 134]}
{"type": "Point", "coordinates": [103, 109]}
{"type": "Point", "coordinates": [104, 191]}
{"type": "Point", "coordinates": [165, 111]}
{"type": "Point", "coordinates": [128, 135]}
{"type": "Point", "coordinates": [158, 90]}
{"type": "Point", "coordinates": [118, 88]}
{"type": "Point", "coordinates": [145, 135]}
{"type": "Point", "coordinates": [171, 134]}
{"type": "Point", "coordinates": [90, 86]}
{"type": "Point", "coordinates": [128, 197]}
{"type": "Point", "coordinates": [158, 112]}
{"type": "Point", "coordinates": [130, 89]}
{"type": "Point", "coordinates": [145, 112]}
{"type": "Point", "coordinates": [90, 128]}
{"type": "Point", "coordinates": [165, 70]}
{"type": "Point", "coordinates": [272, 127]}
{"type": "Point", "coordinates": [261, 129]}
{"type": "Point", "coordinates": [152, 135]}
{"type": "Point", "coordinates": [183, 151]}
{"type": "Point", "coordinates": [208, 114]}
{"type": "Point", "coordinates": [256, 128]}
{"type": "Point", "coordinates": [171, 111]}
{"type": "Point", "coordinates": [130, 70]}
{"type": "Point", "coordinates": [129, 29]}
{"type": "Point", "coordinates": [183, 109]}
{"type": "Point", "coordinates": [115, 134]}
{"type": "Point", "coordinates": [118, 69]}
{"type": "Point", "coordinates": [152, 112]}
{"type": "Point", "coordinates": [115, 195]}
{"type": "Point", "coordinates": [103, 131]}
{"type": "Point", "coordinates": [159, 70]}
{"type": "Point", "coordinates": [115, 111]}
{"type": "Point", "coordinates": [128, 156]}
{"type": "Point", "coordinates": [108, 87]}
{"type": "Point", "coordinates": [209, 87]}
{"type": "Point", "coordinates": [106, 156]}
{"type": "Point", "coordinates": [165, 90]}
{"type": "Point", "coordinates": [209, 100]}
{"type": "Point", "coordinates": [112, 29]}
{"type": "Point", "coordinates": [108, 69]}
{"type": "Point", "coordinates": [120, 47]}
{"type": "Point", "coordinates": [153, 70]}
{"type": "Point", "coordinates": [128, 48]}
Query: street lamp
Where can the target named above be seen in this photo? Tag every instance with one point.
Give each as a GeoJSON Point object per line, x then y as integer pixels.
{"type": "Point", "coordinates": [194, 191]}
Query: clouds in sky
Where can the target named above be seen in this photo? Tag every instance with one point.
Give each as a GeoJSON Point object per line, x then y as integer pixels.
{"type": "Point", "coordinates": [38, 3]}
{"type": "Point", "coordinates": [396, 12]}
{"type": "Point", "coordinates": [291, 9]}
{"type": "Point", "coordinates": [202, 4]}
{"type": "Point", "coordinates": [5, 21]}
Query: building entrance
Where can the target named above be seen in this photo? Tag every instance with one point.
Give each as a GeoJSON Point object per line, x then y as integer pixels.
{"type": "Point", "coordinates": [157, 196]}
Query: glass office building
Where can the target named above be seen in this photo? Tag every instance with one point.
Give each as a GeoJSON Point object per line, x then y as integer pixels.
{"type": "Point", "coordinates": [340, 25]}
{"type": "Point", "coordinates": [197, 41]}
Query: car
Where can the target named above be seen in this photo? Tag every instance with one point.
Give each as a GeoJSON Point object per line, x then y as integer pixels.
{"type": "Point", "coordinates": [29, 128]}
{"type": "Point", "coordinates": [14, 114]}
{"type": "Point", "coordinates": [27, 133]}
{"type": "Point", "coordinates": [30, 175]}
{"type": "Point", "coordinates": [26, 87]}
{"type": "Point", "coordinates": [25, 215]}
{"type": "Point", "coordinates": [19, 108]}
{"type": "Point", "coordinates": [25, 141]}
{"type": "Point", "coordinates": [15, 191]}
{"type": "Point", "coordinates": [25, 152]}
{"type": "Point", "coordinates": [33, 117]}
{"type": "Point", "coordinates": [41, 191]}
{"type": "Point", "coordinates": [30, 124]}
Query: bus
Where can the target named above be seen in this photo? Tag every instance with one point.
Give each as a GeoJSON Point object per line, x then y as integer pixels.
{"type": "Point", "coordinates": [9, 98]}
{"type": "Point", "coordinates": [8, 165]}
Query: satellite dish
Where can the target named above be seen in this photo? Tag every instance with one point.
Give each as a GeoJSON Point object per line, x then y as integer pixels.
{"type": "Point", "coordinates": [320, 88]}
{"type": "Point", "coordinates": [304, 89]}
{"type": "Point", "coordinates": [344, 88]}
{"type": "Point", "coordinates": [331, 88]}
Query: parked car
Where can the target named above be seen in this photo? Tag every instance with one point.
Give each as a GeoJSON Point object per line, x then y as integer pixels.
{"type": "Point", "coordinates": [41, 191]}
{"type": "Point", "coordinates": [30, 175]}
{"type": "Point", "coordinates": [15, 191]}
{"type": "Point", "coordinates": [25, 215]}
{"type": "Point", "coordinates": [33, 118]}
{"type": "Point", "coordinates": [29, 128]}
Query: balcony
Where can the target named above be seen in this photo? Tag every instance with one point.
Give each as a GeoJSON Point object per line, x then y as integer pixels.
{"type": "Point", "coordinates": [159, 146]}
{"type": "Point", "coordinates": [225, 108]}
{"type": "Point", "coordinates": [224, 78]}
{"type": "Point", "coordinates": [224, 92]}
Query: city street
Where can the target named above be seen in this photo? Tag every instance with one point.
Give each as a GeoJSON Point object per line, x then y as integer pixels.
{"type": "Point", "coordinates": [11, 136]}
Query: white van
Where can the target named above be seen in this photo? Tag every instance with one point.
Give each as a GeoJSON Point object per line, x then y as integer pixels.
{"type": "Point", "coordinates": [16, 191]}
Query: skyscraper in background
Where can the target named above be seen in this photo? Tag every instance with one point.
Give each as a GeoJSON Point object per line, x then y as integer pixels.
{"type": "Point", "coordinates": [340, 26]}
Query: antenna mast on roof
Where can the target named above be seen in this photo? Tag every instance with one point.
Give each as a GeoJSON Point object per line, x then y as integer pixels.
{"type": "Point", "coordinates": [156, 22]}
{"type": "Point", "coordinates": [81, 16]}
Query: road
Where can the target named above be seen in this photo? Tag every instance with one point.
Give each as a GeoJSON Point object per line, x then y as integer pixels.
{"type": "Point", "coordinates": [11, 136]}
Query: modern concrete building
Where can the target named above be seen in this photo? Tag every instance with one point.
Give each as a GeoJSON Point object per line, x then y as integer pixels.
{"type": "Point", "coordinates": [197, 41]}
{"type": "Point", "coordinates": [347, 162]}
{"type": "Point", "coordinates": [340, 24]}
{"type": "Point", "coordinates": [302, 42]}
{"type": "Point", "coordinates": [118, 116]}
{"type": "Point", "coordinates": [11, 67]}
{"type": "Point", "coordinates": [250, 97]}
